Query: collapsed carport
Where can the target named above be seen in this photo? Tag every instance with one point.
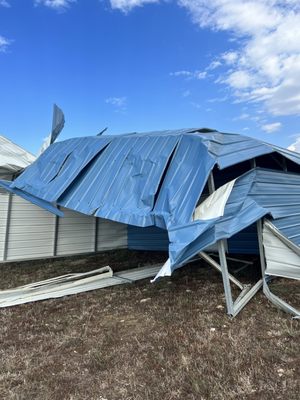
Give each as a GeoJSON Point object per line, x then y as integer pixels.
{"type": "Point", "coordinates": [163, 179]}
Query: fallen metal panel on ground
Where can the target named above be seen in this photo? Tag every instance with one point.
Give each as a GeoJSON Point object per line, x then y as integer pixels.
{"type": "Point", "coordinates": [73, 283]}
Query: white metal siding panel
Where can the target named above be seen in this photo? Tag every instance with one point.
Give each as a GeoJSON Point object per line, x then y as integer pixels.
{"type": "Point", "coordinates": [281, 260]}
{"type": "Point", "coordinates": [111, 235]}
{"type": "Point", "coordinates": [31, 231]}
{"type": "Point", "coordinates": [76, 233]}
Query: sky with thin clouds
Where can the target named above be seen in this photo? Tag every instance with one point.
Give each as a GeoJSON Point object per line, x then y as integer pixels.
{"type": "Point", "coordinates": [144, 65]}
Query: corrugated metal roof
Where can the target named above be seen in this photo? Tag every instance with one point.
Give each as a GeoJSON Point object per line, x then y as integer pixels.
{"type": "Point", "coordinates": [146, 179]}
{"type": "Point", "coordinates": [32, 199]}
{"type": "Point", "coordinates": [12, 157]}
{"type": "Point", "coordinates": [157, 179]}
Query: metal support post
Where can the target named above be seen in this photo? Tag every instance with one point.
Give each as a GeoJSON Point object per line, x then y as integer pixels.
{"type": "Point", "coordinates": [261, 247]}
{"type": "Point", "coordinates": [96, 234]}
{"type": "Point", "coordinates": [56, 224]}
{"type": "Point", "coordinates": [225, 276]}
{"type": "Point", "coordinates": [7, 226]}
{"type": "Point", "coordinates": [211, 183]}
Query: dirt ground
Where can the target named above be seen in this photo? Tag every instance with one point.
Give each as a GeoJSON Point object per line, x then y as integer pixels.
{"type": "Point", "coordinates": [165, 341]}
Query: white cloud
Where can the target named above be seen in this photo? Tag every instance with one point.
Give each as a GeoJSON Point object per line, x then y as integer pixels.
{"type": "Point", "coordinates": [239, 80]}
{"type": "Point", "coordinates": [270, 128]}
{"type": "Point", "coordinates": [119, 103]}
{"type": "Point", "coordinates": [59, 5]}
{"type": "Point", "coordinates": [218, 99]}
{"type": "Point", "coordinates": [4, 43]}
{"type": "Point", "coordinates": [4, 3]}
{"type": "Point", "coordinates": [190, 74]}
{"type": "Point", "coordinates": [214, 64]}
{"type": "Point", "coordinates": [230, 57]}
{"type": "Point", "coordinates": [127, 5]}
{"type": "Point", "coordinates": [264, 66]}
{"type": "Point", "coordinates": [295, 146]}
{"type": "Point", "coordinates": [242, 117]}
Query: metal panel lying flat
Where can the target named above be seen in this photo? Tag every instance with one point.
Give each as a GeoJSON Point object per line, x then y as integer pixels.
{"type": "Point", "coordinates": [73, 283]}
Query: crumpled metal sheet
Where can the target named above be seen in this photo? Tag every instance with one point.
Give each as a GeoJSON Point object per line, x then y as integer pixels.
{"type": "Point", "coordinates": [12, 157]}
{"type": "Point", "coordinates": [51, 174]}
{"type": "Point", "coordinates": [255, 194]}
{"type": "Point", "coordinates": [32, 199]}
{"type": "Point", "coordinates": [156, 179]}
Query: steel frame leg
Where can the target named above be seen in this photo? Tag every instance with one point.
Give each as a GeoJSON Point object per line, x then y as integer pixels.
{"type": "Point", "coordinates": [225, 276]}
{"type": "Point", "coordinates": [234, 307]}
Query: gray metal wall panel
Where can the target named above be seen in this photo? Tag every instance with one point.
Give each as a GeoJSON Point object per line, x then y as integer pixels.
{"type": "Point", "coordinates": [76, 233]}
{"type": "Point", "coordinates": [111, 235]}
{"type": "Point", "coordinates": [31, 231]}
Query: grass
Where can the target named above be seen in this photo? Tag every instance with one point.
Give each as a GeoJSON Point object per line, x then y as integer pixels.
{"type": "Point", "coordinates": [166, 341]}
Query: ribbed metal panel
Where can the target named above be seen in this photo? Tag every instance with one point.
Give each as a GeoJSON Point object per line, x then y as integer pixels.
{"type": "Point", "coordinates": [245, 242]}
{"type": "Point", "coordinates": [150, 238]}
{"type": "Point", "coordinates": [280, 258]}
{"type": "Point", "coordinates": [31, 231]}
{"type": "Point", "coordinates": [111, 235]}
{"type": "Point", "coordinates": [144, 179]}
{"type": "Point", "coordinates": [76, 233]}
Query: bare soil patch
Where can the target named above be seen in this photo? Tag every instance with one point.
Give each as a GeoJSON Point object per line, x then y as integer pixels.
{"type": "Point", "coordinates": [165, 341]}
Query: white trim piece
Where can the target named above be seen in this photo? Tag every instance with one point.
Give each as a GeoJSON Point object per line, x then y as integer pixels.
{"type": "Point", "coordinates": [278, 302]}
{"type": "Point", "coordinates": [73, 283]}
{"type": "Point", "coordinates": [165, 270]}
{"type": "Point", "coordinates": [214, 205]}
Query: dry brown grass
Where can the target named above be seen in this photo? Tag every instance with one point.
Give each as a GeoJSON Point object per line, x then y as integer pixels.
{"type": "Point", "coordinates": [178, 344]}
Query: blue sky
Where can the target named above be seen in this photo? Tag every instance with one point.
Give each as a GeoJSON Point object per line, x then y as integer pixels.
{"type": "Point", "coordinates": [138, 65]}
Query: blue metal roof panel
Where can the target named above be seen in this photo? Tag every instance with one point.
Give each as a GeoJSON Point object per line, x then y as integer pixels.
{"type": "Point", "coordinates": [184, 181]}
{"type": "Point", "coordinates": [32, 199]}
{"type": "Point", "coordinates": [247, 203]}
{"type": "Point", "coordinates": [56, 168]}
{"type": "Point", "coordinates": [123, 181]}
{"type": "Point", "coordinates": [157, 179]}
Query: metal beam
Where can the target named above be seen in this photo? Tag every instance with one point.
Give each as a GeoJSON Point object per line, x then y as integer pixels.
{"type": "Point", "coordinates": [96, 234]}
{"type": "Point", "coordinates": [261, 247]}
{"type": "Point", "coordinates": [217, 266]}
{"type": "Point", "coordinates": [225, 276]}
{"type": "Point", "coordinates": [240, 302]}
{"type": "Point", "coordinates": [211, 183]}
{"type": "Point", "coordinates": [55, 238]}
